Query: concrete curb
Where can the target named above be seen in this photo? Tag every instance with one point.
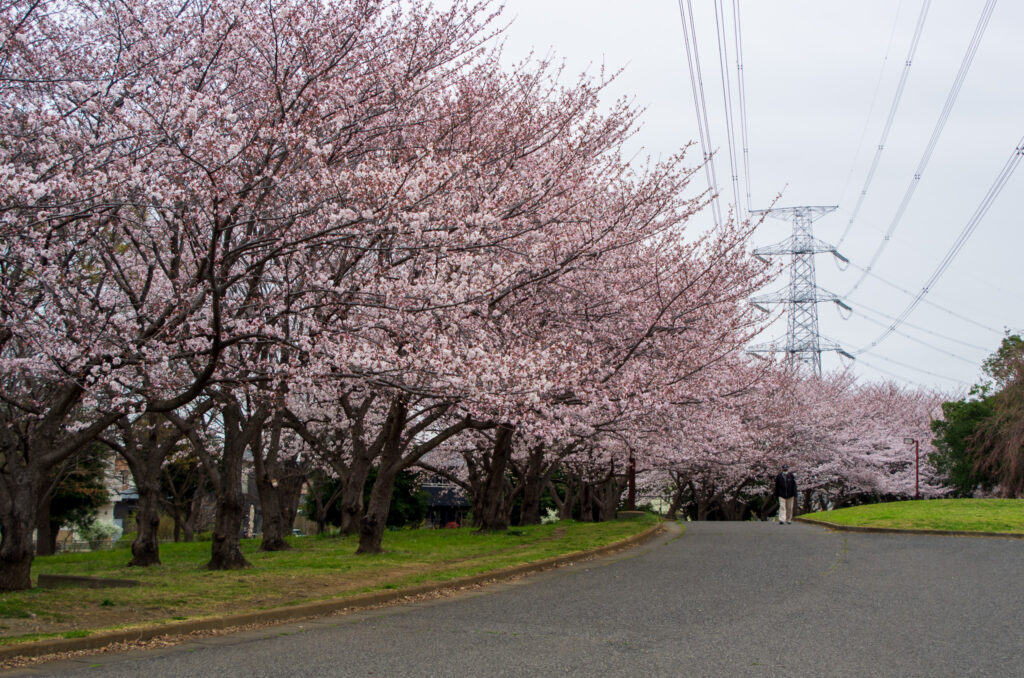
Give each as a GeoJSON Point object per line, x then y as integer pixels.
{"type": "Point", "coordinates": [893, 530]}
{"type": "Point", "coordinates": [306, 610]}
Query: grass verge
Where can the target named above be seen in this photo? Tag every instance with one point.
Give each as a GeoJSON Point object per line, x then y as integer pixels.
{"type": "Point", "coordinates": [313, 569]}
{"type": "Point", "coordinates": [970, 515]}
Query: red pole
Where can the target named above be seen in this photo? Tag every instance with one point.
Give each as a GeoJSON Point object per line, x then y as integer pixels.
{"type": "Point", "coordinates": [917, 468]}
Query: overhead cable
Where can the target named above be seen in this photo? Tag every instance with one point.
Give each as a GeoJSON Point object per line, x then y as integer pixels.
{"type": "Point", "coordinates": [904, 365]}
{"type": "Point", "coordinates": [889, 121]}
{"type": "Point", "coordinates": [940, 124]}
{"type": "Point", "coordinates": [956, 315]}
{"type": "Point", "coordinates": [874, 100]}
{"type": "Point", "coordinates": [741, 88]}
{"type": "Point", "coordinates": [861, 361]}
{"type": "Point", "coordinates": [914, 339]}
{"type": "Point", "coordinates": [730, 131]}
{"type": "Point", "coordinates": [918, 369]}
{"type": "Point", "coordinates": [890, 374]}
{"type": "Point", "coordinates": [861, 307]}
{"type": "Point", "coordinates": [993, 192]}
{"type": "Point", "coordinates": [700, 104]}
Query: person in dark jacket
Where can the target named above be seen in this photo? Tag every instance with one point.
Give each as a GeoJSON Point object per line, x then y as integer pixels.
{"type": "Point", "coordinates": [785, 490]}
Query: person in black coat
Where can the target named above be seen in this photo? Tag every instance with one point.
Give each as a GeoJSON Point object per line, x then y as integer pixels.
{"type": "Point", "coordinates": [785, 490]}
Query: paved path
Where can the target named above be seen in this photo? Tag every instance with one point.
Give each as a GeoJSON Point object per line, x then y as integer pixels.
{"type": "Point", "coordinates": [726, 599]}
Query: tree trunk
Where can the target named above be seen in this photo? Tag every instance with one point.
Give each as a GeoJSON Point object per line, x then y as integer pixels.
{"type": "Point", "coordinates": [731, 509]}
{"type": "Point", "coordinates": [270, 499]}
{"type": "Point", "coordinates": [676, 503]}
{"type": "Point", "coordinates": [371, 527]}
{"type": "Point", "coordinates": [533, 487]}
{"type": "Point", "coordinates": [373, 523]}
{"type": "Point", "coordinates": [195, 511]}
{"type": "Point", "coordinates": [179, 520]}
{"type": "Point", "coordinates": [46, 531]}
{"type": "Point", "coordinates": [184, 500]}
{"type": "Point", "coordinates": [18, 506]}
{"type": "Point", "coordinates": [474, 487]}
{"type": "Point", "coordinates": [148, 442]}
{"type": "Point", "coordinates": [494, 507]}
{"type": "Point", "coordinates": [146, 547]}
{"type": "Point", "coordinates": [289, 489]}
{"type": "Point", "coordinates": [352, 488]}
{"type": "Point", "coordinates": [46, 527]}
{"type": "Point", "coordinates": [176, 505]}
{"type": "Point", "coordinates": [565, 506]}
{"type": "Point", "coordinates": [586, 502]}
{"type": "Point", "coordinates": [226, 550]}
{"type": "Point", "coordinates": [608, 495]}
{"type": "Point", "coordinates": [808, 503]}
{"type": "Point", "coordinates": [273, 517]}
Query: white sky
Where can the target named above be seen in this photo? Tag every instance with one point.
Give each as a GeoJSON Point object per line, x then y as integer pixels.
{"type": "Point", "coordinates": [812, 68]}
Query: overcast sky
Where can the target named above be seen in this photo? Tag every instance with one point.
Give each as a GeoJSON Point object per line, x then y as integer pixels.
{"type": "Point", "coordinates": [820, 78]}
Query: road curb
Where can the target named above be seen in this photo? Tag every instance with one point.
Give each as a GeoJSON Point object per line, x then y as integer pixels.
{"type": "Point", "coordinates": [893, 530]}
{"type": "Point", "coordinates": [315, 609]}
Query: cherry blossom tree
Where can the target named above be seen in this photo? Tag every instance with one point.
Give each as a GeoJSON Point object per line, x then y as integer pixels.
{"type": "Point", "coordinates": [343, 231]}
{"type": "Point", "coordinates": [146, 444]}
{"type": "Point", "coordinates": [156, 160]}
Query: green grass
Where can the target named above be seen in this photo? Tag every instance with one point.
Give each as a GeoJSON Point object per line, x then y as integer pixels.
{"type": "Point", "coordinates": [14, 609]}
{"type": "Point", "coordinates": [974, 515]}
{"type": "Point", "coordinates": [315, 568]}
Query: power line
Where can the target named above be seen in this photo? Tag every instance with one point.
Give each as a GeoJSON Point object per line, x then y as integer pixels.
{"type": "Point", "coordinates": [730, 132]}
{"type": "Point", "coordinates": [906, 366]}
{"type": "Point", "coordinates": [916, 369]}
{"type": "Point", "coordinates": [861, 307]}
{"type": "Point", "coordinates": [918, 341]}
{"type": "Point", "coordinates": [874, 100]}
{"type": "Point", "coordinates": [888, 373]}
{"type": "Point", "coordinates": [993, 192]}
{"type": "Point", "coordinates": [940, 124]}
{"type": "Point", "coordinates": [741, 87]}
{"type": "Point", "coordinates": [907, 292]}
{"type": "Point", "coordinates": [889, 121]}
{"type": "Point", "coordinates": [697, 85]}
{"type": "Point", "coordinates": [861, 361]}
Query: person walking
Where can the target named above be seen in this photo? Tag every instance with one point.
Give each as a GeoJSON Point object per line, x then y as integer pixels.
{"type": "Point", "coordinates": [785, 490]}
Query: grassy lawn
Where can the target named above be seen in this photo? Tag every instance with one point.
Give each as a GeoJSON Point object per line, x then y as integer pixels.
{"type": "Point", "coordinates": [976, 515]}
{"type": "Point", "coordinates": [315, 568]}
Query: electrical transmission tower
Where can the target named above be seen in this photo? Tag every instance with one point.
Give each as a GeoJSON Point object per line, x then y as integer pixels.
{"type": "Point", "coordinates": [803, 343]}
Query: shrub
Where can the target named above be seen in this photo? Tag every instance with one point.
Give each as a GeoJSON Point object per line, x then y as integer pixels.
{"type": "Point", "coordinates": [99, 535]}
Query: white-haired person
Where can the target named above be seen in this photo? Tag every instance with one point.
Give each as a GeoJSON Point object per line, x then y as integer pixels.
{"type": "Point", "coordinates": [785, 490]}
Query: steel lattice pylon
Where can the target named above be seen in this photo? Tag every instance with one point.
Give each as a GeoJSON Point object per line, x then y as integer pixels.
{"type": "Point", "coordinates": [803, 343]}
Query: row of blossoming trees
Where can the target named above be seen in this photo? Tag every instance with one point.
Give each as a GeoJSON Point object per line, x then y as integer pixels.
{"type": "Point", "coordinates": [339, 235]}
{"type": "Point", "coordinates": [844, 440]}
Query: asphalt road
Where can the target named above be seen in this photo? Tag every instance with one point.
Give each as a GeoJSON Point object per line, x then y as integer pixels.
{"type": "Point", "coordinates": [725, 599]}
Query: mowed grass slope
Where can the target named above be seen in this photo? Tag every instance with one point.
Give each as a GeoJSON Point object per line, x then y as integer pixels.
{"type": "Point", "coordinates": [974, 515]}
{"type": "Point", "coordinates": [315, 568]}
